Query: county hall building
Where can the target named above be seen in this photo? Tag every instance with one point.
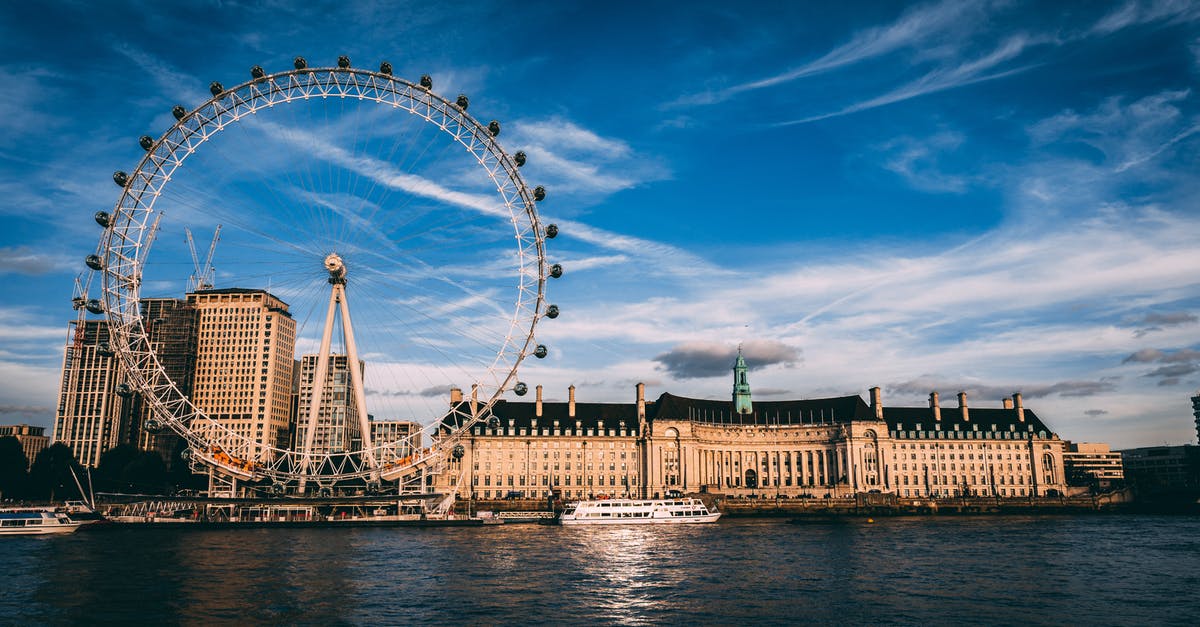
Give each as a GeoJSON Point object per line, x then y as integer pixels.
{"type": "Point", "coordinates": [798, 449]}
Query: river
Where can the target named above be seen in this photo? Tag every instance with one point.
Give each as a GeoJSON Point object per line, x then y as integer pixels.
{"type": "Point", "coordinates": [1081, 570]}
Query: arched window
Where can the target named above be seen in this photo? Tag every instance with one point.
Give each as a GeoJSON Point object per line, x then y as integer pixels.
{"type": "Point", "coordinates": [1048, 467]}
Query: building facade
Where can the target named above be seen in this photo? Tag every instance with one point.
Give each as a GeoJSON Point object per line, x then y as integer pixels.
{"type": "Point", "coordinates": [337, 426]}
{"type": "Point", "coordinates": [95, 409]}
{"type": "Point", "coordinates": [33, 439]}
{"type": "Point", "coordinates": [1196, 414]}
{"type": "Point", "coordinates": [1163, 468]}
{"type": "Point", "coordinates": [796, 449]}
{"type": "Point", "coordinates": [244, 365]}
{"type": "Point", "coordinates": [400, 437]}
{"type": "Point", "coordinates": [1092, 464]}
{"type": "Point", "coordinates": [170, 325]}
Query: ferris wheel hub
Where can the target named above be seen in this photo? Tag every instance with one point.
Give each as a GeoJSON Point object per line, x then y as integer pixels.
{"type": "Point", "coordinates": [336, 268]}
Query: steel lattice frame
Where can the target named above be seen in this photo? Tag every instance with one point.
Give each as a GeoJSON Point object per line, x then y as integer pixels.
{"type": "Point", "coordinates": [125, 244]}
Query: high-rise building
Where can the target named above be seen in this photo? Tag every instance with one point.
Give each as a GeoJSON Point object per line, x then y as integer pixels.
{"type": "Point", "coordinates": [394, 434]}
{"type": "Point", "coordinates": [244, 361]}
{"type": "Point", "coordinates": [95, 409]}
{"type": "Point", "coordinates": [33, 439]}
{"type": "Point", "coordinates": [1196, 413]}
{"type": "Point", "coordinates": [337, 429]}
{"type": "Point", "coordinates": [171, 328]}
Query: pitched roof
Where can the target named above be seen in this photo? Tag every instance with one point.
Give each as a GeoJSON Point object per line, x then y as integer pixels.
{"type": "Point", "coordinates": [907, 419]}
{"type": "Point", "coordinates": [808, 411]}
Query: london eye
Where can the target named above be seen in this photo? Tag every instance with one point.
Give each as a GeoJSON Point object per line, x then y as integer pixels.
{"type": "Point", "coordinates": [392, 229]}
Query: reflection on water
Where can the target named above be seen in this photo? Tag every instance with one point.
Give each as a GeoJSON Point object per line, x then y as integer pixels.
{"type": "Point", "coordinates": [1000, 570]}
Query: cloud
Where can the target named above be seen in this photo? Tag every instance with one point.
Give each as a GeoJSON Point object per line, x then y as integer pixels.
{"type": "Point", "coordinates": [1094, 413]}
{"type": "Point", "coordinates": [941, 79]}
{"type": "Point", "coordinates": [1134, 13]}
{"type": "Point", "coordinates": [570, 159]}
{"type": "Point", "coordinates": [23, 409]}
{"type": "Point", "coordinates": [26, 260]}
{"type": "Point", "coordinates": [917, 161]}
{"type": "Point", "coordinates": [1068, 389]}
{"type": "Point", "coordinates": [1157, 321]}
{"type": "Point", "coordinates": [695, 360]}
{"type": "Point", "coordinates": [914, 27]}
{"type": "Point", "coordinates": [1174, 365]}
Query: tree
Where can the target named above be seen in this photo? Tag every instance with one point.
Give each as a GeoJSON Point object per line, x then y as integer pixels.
{"type": "Point", "coordinates": [50, 476]}
{"type": "Point", "coordinates": [13, 468]}
{"type": "Point", "coordinates": [110, 472]}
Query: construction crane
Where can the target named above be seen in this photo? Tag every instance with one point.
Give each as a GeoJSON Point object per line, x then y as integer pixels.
{"type": "Point", "coordinates": [203, 276]}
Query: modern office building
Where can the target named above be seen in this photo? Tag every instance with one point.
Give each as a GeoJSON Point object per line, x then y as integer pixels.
{"type": "Point", "coordinates": [1092, 464]}
{"type": "Point", "coordinates": [33, 439]}
{"type": "Point", "coordinates": [95, 409]}
{"type": "Point", "coordinates": [337, 425]}
{"type": "Point", "coordinates": [244, 361]}
{"type": "Point", "coordinates": [1163, 468]}
{"type": "Point", "coordinates": [171, 328]}
{"type": "Point", "coordinates": [401, 437]}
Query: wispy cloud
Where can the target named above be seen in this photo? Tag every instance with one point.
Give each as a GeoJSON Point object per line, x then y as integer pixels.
{"type": "Point", "coordinates": [1133, 13]}
{"type": "Point", "coordinates": [913, 28]}
{"type": "Point", "coordinates": [918, 161]}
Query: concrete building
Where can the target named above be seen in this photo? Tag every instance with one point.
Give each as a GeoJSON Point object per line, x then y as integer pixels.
{"type": "Point", "coordinates": [1089, 463]}
{"type": "Point", "coordinates": [1163, 468]}
{"type": "Point", "coordinates": [33, 439]}
{"type": "Point", "coordinates": [337, 429]}
{"type": "Point", "coordinates": [244, 364]}
{"type": "Point", "coordinates": [95, 408]}
{"type": "Point", "coordinates": [1196, 414]}
{"type": "Point", "coordinates": [802, 448]}
{"type": "Point", "coordinates": [171, 328]}
{"type": "Point", "coordinates": [395, 434]}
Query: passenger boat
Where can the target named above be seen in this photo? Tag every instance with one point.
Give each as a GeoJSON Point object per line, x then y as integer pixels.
{"type": "Point", "coordinates": [29, 522]}
{"type": "Point", "coordinates": [638, 512]}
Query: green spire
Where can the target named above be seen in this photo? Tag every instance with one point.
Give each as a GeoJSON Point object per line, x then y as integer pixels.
{"type": "Point", "coordinates": [741, 386]}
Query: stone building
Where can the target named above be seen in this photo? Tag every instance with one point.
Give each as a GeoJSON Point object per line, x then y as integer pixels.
{"type": "Point", "coordinates": [799, 449]}
{"type": "Point", "coordinates": [171, 330]}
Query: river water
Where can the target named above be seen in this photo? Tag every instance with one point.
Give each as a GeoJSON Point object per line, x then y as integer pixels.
{"type": "Point", "coordinates": [1080, 570]}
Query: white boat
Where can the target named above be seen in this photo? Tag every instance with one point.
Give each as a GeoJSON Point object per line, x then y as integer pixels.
{"type": "Point", "coordinates": [638, 512]}
{"type": "Point", "coordinates": [29, 522]}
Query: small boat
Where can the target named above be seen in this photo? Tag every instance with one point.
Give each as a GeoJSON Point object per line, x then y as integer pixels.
{"type": "Point", "coordinates": [29, 522]}
{"type": "Point", "coordinates": [638, 512]}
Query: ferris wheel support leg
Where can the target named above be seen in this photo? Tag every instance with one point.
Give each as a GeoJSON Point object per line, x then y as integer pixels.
{"type": "Point", "coordinates": [318, 386]}
{"type": "Point", "coordinates": [356, 382]}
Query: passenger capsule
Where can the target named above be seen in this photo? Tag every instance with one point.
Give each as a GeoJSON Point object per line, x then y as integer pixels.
{"type": "Point", "coordinates": [494, 128]}
{"type": "Point", "coordinates": [556, 270]}
{"type": "Point", "coordinates": [299, 63]}
{"type": "Point", "coordinates": [385, 68]}
{"type": "Point", "coordinates": [552, 231]}
{"type": "Point", "coordinates": [95, 306]}
{"type": "Point", "coordinates": [146, 142]}
{"type": "Point", "coordinates": [539, 193]}
{"type": "Point", "coordinates": [120, 178]}
{"type": "Point", "coordinates": [216, 88]}
{"type": "Point", "coordinates": [520, 388]}
{"type": "Point", "coordinates": [94, 262]}
{"type": "Point", "coordinates": [104, 350]}
{"type": "Point", "coordinates": [519, 158]}
{"type": "Point", "coordinates": [458, 451]}
{"type": "Point", "coordinates": [552, 312]}
{"type": "Point", "coordinates": [257, 72]}
{"type": "Point", "coordinates": [124, 391]}
{"type": "Point", "coordinates": [540, 352]}
{"type": "Point", "coordinates": [153, 425]}
{"type": "Point", "coordinates": [103, 219]}
{"type": "Point", "coordinates": [462, 102]}
{"type": "Point", "coordinates": [185, 454]}
{"type": "Point", "coordinates": [343, 62]}
{"type": "Point", "coordinates": [426, 81]}
{"type": "Point", "coordinates": [494, 422]}
{"type": "Point", "coordinates": [178, 111]}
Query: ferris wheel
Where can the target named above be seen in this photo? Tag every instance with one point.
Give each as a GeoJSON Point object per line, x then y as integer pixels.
{"type": "Point", "coordinates": [335, 190]}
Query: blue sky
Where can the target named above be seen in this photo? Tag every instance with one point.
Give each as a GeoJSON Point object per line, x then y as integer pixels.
{"type": "Point", "coordinates": [982, 196]}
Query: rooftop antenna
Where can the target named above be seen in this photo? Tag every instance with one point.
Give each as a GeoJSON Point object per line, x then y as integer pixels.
{"type": "Point", "coordinates": [203, 275]}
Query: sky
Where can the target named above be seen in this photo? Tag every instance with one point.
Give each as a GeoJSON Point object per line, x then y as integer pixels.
{"type": "Point", "coordinates": [989, 197]}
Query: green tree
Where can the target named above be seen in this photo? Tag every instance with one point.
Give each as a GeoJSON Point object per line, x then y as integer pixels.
{"type": "Point", "coordinates": [13, 469]}
{"type": "Point", "coordinates": [146, 474]}
{"type": "Point", "coordinates": [110, 472]}
{"type": "Point", "coordinates": [50, 476]}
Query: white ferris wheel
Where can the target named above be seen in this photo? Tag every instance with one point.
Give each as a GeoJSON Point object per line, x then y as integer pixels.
{"type": "Point", "coordinates": [390, 221]}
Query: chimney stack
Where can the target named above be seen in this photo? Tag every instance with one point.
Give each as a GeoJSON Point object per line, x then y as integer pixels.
{"type": "Point", "coordinates": [933, 404]}
{"type": "Point", "coordinates": [877, 402]}
{"type": "Point", "coordinates": [641, 401]}
{"type": "Point", "coordinates": [474, 399]}
{"type": "Point", "coordinates": [962, 406]}
{"type": "Point", "coordinates": [1008, 403]}
{"type": "Point", "coordinates": [1020, 408]}
{"type": "Point", "coordinates": [538, 405]}
{"type": "Point", "coordinates": [455, 396]}
{"type": "Point", "coordinates": [571, 401]}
